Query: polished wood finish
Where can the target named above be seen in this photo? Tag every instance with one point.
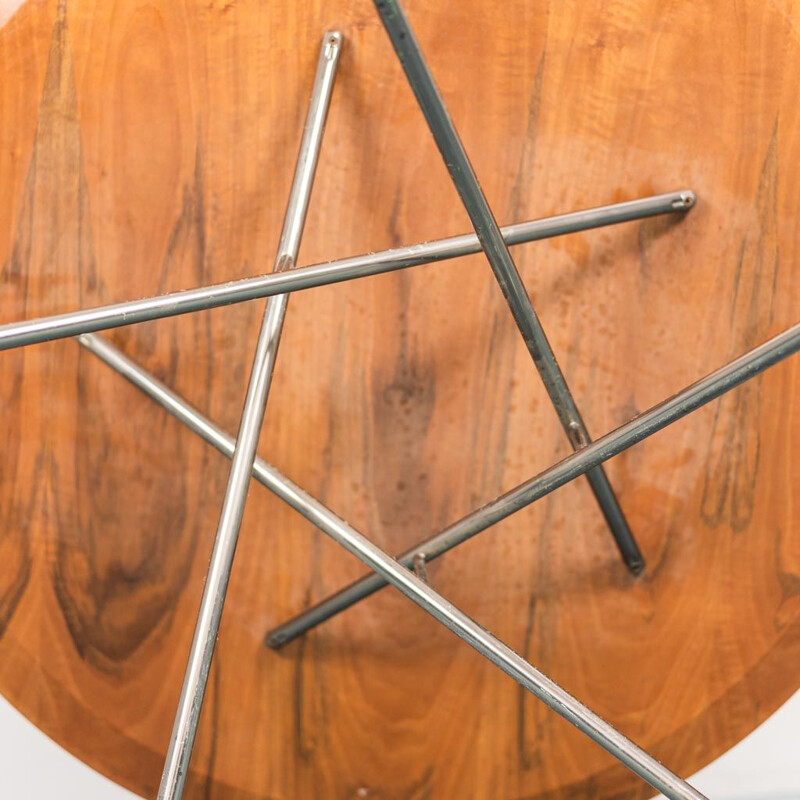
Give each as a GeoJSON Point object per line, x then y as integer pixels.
{"type": "Point", "coordinates": [149, 146]}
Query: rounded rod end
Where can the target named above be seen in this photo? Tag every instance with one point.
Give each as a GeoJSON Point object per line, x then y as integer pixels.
{"type": "Point", "coordinates": [333, 39]}
{"type": "Point", "coordinates": [686, 200]}
{"type": "Point", "coordinates": [274, 641]}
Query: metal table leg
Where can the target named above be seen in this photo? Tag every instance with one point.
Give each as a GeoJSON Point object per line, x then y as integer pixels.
{"type": "Point", "coordinates": [508, 277]}
{"type": "Point", "coordinates": [646, 424]}
{"type": "Point", "coordinates": [73, 323]}
{"type": "Point", "coordinates": [202, 650]}
{"type": "Point", "coordinates": [407, 582]}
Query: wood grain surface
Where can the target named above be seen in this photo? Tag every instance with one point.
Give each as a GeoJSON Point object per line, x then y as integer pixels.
{"type": "Point", "coordinates": [149, 146]}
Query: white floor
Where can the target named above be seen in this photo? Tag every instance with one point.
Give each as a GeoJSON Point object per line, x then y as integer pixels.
{"type": "Point", "coordinates": [765, 766]}
{"type": "Point", "coordinates": [34, 767]}
{"type": "Point", "coordinates": [7, 8]}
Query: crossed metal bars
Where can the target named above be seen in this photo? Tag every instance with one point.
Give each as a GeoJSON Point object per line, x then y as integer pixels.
{"type": "Point", "coordinates": [587, 458]}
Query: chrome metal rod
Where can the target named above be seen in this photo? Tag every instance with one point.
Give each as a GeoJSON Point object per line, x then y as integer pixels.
{"type": "Point", "coordinates": [608, 446]}
{"type": "Point", "coordinates": [179, 753]}
{"type": "Point", "coordinates": [73, 323]}
{"type": "Point", "coordinates": [389, 569]}
{"type": "Point", "coordinates": [508, 277]}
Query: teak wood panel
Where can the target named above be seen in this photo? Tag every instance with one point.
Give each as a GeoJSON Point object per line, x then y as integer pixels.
{"type": "Point", "coordinates": [149, 146]}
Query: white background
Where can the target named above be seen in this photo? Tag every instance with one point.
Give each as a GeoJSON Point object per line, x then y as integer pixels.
{"type": "Point", "coordinates": [764, 766]}
{"type": "Point", "coordinates": [7, 8]}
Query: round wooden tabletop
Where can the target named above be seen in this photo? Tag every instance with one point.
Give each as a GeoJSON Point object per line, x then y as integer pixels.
{"type": "Point", "coordinates": [149, 146]}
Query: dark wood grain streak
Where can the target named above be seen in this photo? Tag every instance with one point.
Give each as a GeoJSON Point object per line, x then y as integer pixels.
{"type": "Point", "coordinates": [751, 311]}
{"type": "Point", "coordinates": [16, 510]}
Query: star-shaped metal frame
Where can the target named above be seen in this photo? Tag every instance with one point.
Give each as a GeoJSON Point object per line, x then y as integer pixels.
{"type": "Point", "coordinates": [407, 571]}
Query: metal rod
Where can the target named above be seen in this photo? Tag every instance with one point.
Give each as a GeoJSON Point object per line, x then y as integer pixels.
{"type": "Point", "coordinates": [508, 277]}
{"type": "Point", "coordinates": [693, 397]}
{"type": "Point", "coordinates": [415, 588]}
{"type": "Point", "coordinates": [73, 323]}
{"type": "Point", "coordinates": [179, 753]}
